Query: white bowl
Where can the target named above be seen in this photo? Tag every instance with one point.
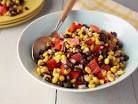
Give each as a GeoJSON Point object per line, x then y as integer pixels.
{"type": "Point", "coordinates": [44, 25]}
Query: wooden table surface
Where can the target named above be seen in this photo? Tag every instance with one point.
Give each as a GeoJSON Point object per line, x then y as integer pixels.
{"type": "Point", "coordinates": [16, 87]}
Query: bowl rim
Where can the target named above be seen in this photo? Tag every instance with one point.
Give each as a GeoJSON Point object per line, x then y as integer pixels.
{"type": "Point", "coordinates": [50, 85]}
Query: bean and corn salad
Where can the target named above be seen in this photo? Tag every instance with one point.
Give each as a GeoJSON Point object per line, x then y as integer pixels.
{"type": "Point", "coordinates": [12, 7]}
{"type": "Point", "coordinates": [85, 57]}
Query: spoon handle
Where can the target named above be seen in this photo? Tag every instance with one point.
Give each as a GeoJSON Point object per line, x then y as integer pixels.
{"type": "Point", "coordinates": [66, 10]}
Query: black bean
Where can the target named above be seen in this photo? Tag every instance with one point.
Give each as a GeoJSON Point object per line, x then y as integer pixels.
{"type": "Point", "coordinates": [122, 58]}
{"type": "Point", "coordinates": [67, 84]}
{"type": "Point", "coordinates": [70, 64]}
{"type": "Point", "coordinates": [89, 58]}
{"type": "Point", "coordinates": [84, 32]}
{"type": "Point", "coordinates": [60, 83]}
{"type": "Point", "coordinates": [78, 67]}
{"type": "Point", "coordinates": [114, 34]}
{"type": "Point", "coordinates": [126, 57]}
{"type": "Point", "coordinates": [41, 57]}
{"type": "Point", "coordinates": [67, 36]}
{"type": "Point", "coordinates": [83, 61]}
{"type": "Point", "coordinates": [120, 44]}
{"type": "Point", "coordinates": [78, 46]}
{"type": "Point", "coordinates": [115, 48]}
{"type": "Point", "coordinates": [11, 9]}
{"type": "Point", "coordinates": [104, 52]}
{"type": "Point", "coordinates": [85, 25]}
{"type": "Point", "coordinates": [89, 53]}
{"type": "Point", "coordinates": [41, 52]}
{"type": "Point", "coordinates": [103, 37]}
{"type": "Point", "coordinates": [67, 78]}
{"type": "Point", "coordinates": [21, 2]}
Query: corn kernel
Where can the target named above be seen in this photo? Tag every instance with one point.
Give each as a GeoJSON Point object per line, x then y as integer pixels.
{"type": "Point", "coordinates": [92, 47]}
{"type": "Point", "coordinates": [96, 35]}
{"type": "Point", "coordinates": [113, 69]}
{"type": "Point", "coordinates": [85, 37]}
{"type": "Point", "coordinates": [110, 53]}
{"type": "Point", "coordinates": [81, 36]}
{"type": "Point", "coordinates": [104, 72]}
{"type": "Point", "coordinates": [118, 53]}
{"type": "Point", "coordinates": [49, 51]}
{"type": "Point", "coordinates": [91, 85]}
{"type": "Point", "coordinates": [122, 65]}
{"type": "Point", "coordinates": [83, 28]}
{"type": "Point", "coordinates": [87, 78]}
{"type": "Point", "coordinates": [61, 78]}
{"type": "Point", "coordinates": [91, 82]}
{"type": "Point", "coordinates": [100, 57]}
{"type": "Point", "coordinates": [73, 35]}
{"type": "Point", "coordinates": [54, 80]}
{"type": "Point", "coordinates": [106, 61]}
{"type": "Point", "coordinates": [56, 75]}
{"type": "Point", "coordinates": [83, 46]}
{"type": "Point", "coordinates": [110, 57]}
{"type": "Point", "coordinates": [63, 59]}
{"type": "Point", "coordinates": [117, 60]}
{"type": "Point", "coordinates": [90, 29]}
{"type": "Point", "coordinates": [89, 34]}
{"type": "Point", "coordinates": [85, 49]}
{"type": "Point", "coordinates": [93, 39]}
{"type": "Point", "coordinates": [40, 62]}
{"type": "Point", "coordinates": [98, 42]}
{"type": "Point", "coordinates": [120, 72]}
{"type": "Point", "coordinates": [45, 59]}
{"type": "Point", "coordinates": [58, 53]}
{"type": "Point", "coordinates": [43, 69]}
{"type": "Point", "coordinates": [78, 30]}
{"type": "Point", "coordinates": [115, 40]}
{"type": "Point", "coordinates": [45, 54]}
{"type": "Point", "coordinates": [96, 80]}
{"type": "Point", "coordinates": [87, 69]}
{"type": "Point", "coordinates": [73, 81]}
{"type": "Point", "coordinates": [38, 70]}
{"type": "Point", "coordinates": [73, 50]}
{"type": "Point", "coordinates": [101, 81]}
{"type": "Point", "coordinates": [57, 58]}
{"type": "Point", "coordinates": [110, 77]}
{"type": "Point", "coordinates": [109, 72]}
{"type": "Point", "coordinates": [90, 76]}
{"type": "Point", "coordinates": [66, 71]}
{"type": "Point", "coordinates": [58, 70]}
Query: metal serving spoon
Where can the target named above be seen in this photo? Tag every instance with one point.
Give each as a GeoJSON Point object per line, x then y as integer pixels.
{"type": "Point", "coordinates": [40, 43]}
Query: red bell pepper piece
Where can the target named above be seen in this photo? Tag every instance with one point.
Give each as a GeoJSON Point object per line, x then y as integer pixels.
{"type": "Point", "coordinates": [74, 74]}
{"type": "Point", "coordinates": [94, 66]}
{"type": "Point", "coordinates": [77, 57]}
{"type": "Point", "coordinates": [62, 69]}
{"type": "Point", "coordinates": [74, 26]}
{"type": "Point", "coordinates": [95, 28]}
{"type": "Point", "coordinates": [3, 9]}
{"type": "Point", "coordinates": [51, 64]}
